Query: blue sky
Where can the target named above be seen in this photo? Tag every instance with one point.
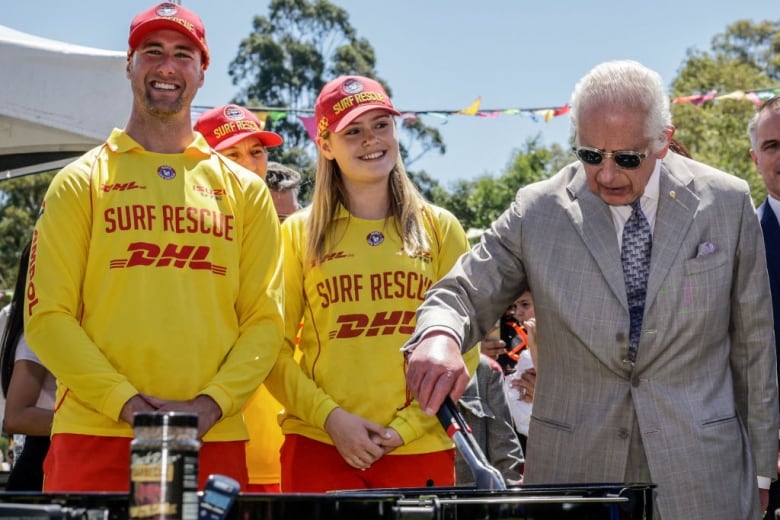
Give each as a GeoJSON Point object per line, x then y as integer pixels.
{"type": "Point", "coordinates": [443, 54]}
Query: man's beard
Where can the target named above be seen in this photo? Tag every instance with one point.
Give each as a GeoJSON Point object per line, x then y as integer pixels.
{"type": "Point", "coordinates": [164, 109]}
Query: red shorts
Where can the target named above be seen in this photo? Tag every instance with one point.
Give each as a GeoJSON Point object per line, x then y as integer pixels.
{"type": "Point", "coordinates": [310, 466]}
{"type": "Point", "coordinates": [93, 463]}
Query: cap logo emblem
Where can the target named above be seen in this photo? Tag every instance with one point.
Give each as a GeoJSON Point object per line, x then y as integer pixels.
{"type": "Point", "coordinates": [166, 10]}
{"type": "Point", "coordinates": [233, 113]}
{"type": "Point", "coordinates": [352, 86]}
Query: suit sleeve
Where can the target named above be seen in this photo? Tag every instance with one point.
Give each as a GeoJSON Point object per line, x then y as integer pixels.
{"type": "Point", "coordinates": [481, 284]}
{"type": "Point", "coordinates": [449, 239]}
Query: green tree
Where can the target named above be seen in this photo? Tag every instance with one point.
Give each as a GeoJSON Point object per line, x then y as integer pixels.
{"type": "Point", "coordinates": [288, 58]}
{"type": "Point", "coordinates": [430, 188]}
{"type": "Point", "coordinates": [743, 57]}
{"type": "Point", "coordinates": [479, 202]}
{"type": "Point", "coordinates": [20, 202]}
{"type": "Point", "coordinates": [534, 162]}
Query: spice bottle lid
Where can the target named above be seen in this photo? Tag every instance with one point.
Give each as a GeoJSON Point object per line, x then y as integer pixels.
{"type": "Point", "coordinates": [165, 419]}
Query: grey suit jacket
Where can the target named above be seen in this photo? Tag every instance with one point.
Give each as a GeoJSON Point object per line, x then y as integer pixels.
{"type": "Point", "coordinates": [703, 390]}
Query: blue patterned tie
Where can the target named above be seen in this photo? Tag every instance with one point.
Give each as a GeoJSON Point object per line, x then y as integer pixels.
{"type": "Point", "coordinates": [635, 256]}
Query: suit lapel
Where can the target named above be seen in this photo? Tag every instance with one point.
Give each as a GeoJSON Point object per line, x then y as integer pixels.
{"type": "Point", "coordinates": [677, 205]}
{"type": "Point", "coordinates": [597, 232]}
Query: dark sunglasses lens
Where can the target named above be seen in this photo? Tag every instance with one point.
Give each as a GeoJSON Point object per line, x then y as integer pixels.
{"type": "Point", "coordinates": [589, 156]}
{"type": "Point", "coordinates": [629, 161]}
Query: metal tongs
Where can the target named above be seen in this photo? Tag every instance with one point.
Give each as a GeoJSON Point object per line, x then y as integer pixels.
{"type": "Point", "coordinates": [485, 475]}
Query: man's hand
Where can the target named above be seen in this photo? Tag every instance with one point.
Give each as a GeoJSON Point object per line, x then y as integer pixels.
{"type": "Point", "coordinates": [436, 369]}
{"type": "Point", "coordinates": [203, 406]}
{"type": "Point", "coordinates": [136, 404]}
{"type": "Point", "coordinates": [354, 437]}
{"type": "Point", "coordinates": [763, 495]}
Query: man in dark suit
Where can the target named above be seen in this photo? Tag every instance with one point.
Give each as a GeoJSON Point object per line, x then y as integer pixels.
{"type": "Point", "coordinates": [764, 133]}
{"type": "Point", "coordinates": [655, 367]}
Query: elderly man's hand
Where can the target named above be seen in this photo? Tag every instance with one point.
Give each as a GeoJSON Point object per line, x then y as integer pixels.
{"type": "Point", "coordinates": [436, 369]}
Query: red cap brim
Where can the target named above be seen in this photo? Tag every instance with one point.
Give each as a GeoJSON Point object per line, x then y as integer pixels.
{"type": "Point", "coordinates": [359, 111]}
{"type": "Point", "coordinates": [269, 139]}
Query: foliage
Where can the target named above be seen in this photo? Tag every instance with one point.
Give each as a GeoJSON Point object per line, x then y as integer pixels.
{"type": "Point", "coordinates": [288, 58]}
{"type": "Point", "coordinates": [20, 200]}
{"type": "Point", "coordinates": [716, 132]}
{"type": "Point", "coordinates": [757, 44]}
{"type": "Point", "coordinates": [301, 44]}
{"type": "Point", "coordinates": [479, 202]}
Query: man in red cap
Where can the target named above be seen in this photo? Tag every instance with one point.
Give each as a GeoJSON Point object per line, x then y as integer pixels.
{"type": "Point", "coordinates": [150, 285]}
{"type": "Point", "coordinates": [236, 133]}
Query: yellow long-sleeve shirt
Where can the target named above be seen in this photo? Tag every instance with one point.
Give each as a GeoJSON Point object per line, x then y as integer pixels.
{"type": "Point", "coordinates": [358, 308]}
{"type": "Point", "coordinates": [154, 273]}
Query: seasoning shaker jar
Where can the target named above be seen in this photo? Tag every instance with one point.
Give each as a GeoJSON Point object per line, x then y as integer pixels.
{"type": "Point", "coordinates": [164, 466]}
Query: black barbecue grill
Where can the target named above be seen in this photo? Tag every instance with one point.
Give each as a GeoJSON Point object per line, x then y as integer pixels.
{"type": "Point", "coordinates": [488, 499]}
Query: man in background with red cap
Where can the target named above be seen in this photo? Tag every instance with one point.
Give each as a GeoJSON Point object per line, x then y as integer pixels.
{"type": "Point", "coordinates": [150, 287]}
{"type": "Point", "coordinates": [236, 133]}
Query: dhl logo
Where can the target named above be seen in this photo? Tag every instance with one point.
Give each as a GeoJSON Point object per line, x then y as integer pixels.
{"type": "Point", "coordinates": [336, 256]}
{"type": "Point", "coordinates": [381, 324]}
{"type": "Point", "coordinates": [179, 256]}
{"type": "Point", "coordinates": [121, 186]}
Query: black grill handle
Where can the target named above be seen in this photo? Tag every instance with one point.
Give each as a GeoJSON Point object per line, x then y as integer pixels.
{"type": "Point", "coordinates": [485, 475]}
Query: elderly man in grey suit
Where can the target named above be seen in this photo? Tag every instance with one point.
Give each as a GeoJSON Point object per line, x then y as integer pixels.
{"type": "Point", "coordinates": [654, 367]}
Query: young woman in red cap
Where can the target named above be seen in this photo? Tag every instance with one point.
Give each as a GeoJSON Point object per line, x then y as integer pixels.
{"type": "Point", "coordinates": [357, 263]}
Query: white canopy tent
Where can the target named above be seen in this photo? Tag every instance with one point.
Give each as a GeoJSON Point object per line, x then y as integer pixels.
{"type": "Point", "coordinates": [57, 100]}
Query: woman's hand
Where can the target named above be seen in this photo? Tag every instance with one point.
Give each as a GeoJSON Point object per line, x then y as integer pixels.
{"type": "Point", "coordinates": [389, 443]}
{"type": "Point", "coordinates": [530, 329]}
{"type": "Point", "coordinates": [525, 384]}
{"type": "Point", "coordinates": [356, 438]}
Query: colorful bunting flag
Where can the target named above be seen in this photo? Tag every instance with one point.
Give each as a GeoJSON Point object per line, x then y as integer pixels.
{"type": "Point", "coordinates": [310, 125]}
{"type": "Point", "coordinates": [755, 96]}
{"type": "Point", "coordinates": [472, 109]}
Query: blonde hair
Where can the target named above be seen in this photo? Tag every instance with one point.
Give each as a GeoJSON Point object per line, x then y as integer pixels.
{"type": "Point", "coordinates": [407, 206]}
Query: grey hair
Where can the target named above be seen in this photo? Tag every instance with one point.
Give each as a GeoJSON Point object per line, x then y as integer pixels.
{"type": "Point", "coordinates": [770, 104]}
{"type": "Point", "coordinates": [625, 83]}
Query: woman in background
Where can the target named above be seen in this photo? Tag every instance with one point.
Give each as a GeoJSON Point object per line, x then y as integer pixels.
{"type": "Point", "coordinates": [29, 391]}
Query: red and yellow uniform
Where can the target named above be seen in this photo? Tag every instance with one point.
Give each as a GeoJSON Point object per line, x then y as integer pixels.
{"type": "Point", "coordinates": [265, 439]}
{"type": "Point", "coordinates": [156, 274]}
{"type": "Point", "coordinates": [358, 308]}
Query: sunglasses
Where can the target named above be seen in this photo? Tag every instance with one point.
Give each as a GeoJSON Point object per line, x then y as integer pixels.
{"type": "Point", "coordinates": [625, 159]}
